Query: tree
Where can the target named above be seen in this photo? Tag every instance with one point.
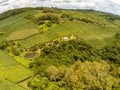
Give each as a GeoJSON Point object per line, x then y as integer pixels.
{"type": "Point", "coordinates": [53, 73]}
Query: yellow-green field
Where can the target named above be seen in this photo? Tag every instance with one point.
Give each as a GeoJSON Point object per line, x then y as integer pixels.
{"type": "Point", "coordinates": [95, 35]}
{"type": "Point", "coordinates": [21, 34]}
{"type": "Point", "coordinates": [7, 85]}
{"type": "Point", "coordinates": [12, 71]}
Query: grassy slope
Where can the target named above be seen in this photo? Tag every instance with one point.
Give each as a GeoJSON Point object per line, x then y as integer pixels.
{"type": "Point", "coordinates": [17, 35]}
{"type": "Point", "coordinates": [9, 70]}
{"type": "Point", "coordinates": [6, 60]}
{"type": "Point", "coordinates": [95, 35]}
{"type": "Point", "coordinates": [7, 85]}
{"type": "Point", "coordinates": [17, 23]}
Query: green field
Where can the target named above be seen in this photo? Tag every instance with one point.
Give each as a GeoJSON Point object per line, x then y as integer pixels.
{"type": "Point", "coordinates": [95, 35]}
{"type": "Point", "coordinates": [7, 85]}
{"type": "Point", "coordinates": [21, 34]}
{"type": "Point", "coordinates": [38, 38]}
{"type": "Point", "coordinates": [12, 71]}
{"type": "Point", "coordinates": [6, 60]}
{"type": "Point", "coordinates": [17, 24]}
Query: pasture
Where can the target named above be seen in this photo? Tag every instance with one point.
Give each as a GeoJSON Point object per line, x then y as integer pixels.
{"type": "Point", "coordinates": [7, 85]}
{"type": "Point", "coordinates": [15, 73]}
{"type": "Point", "coordinates": [12, 71]}
{"type": "Point", "coordinates": [17, 35]}
{"type": "Point", "coordinates": [17, 24]}
{"type": "Point", "coordinates": [6, 60]}
{"type": "Point", "coordinates": [95, 35]}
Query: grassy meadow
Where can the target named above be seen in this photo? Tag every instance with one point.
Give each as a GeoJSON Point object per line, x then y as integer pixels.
{"type": "Point", "coordinates": [100, 28]}
{"type": "Point", "coordinates": [11, 72]}
{"type": "Point", "coordinates": [7, 85]}
{"type": "Point", "coordinates": [95, 35]}
{"type": "Point", "coordinates": [17, 35]}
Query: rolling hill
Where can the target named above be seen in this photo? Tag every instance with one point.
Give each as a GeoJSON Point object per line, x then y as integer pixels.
{"type": "Point", "coordinates": [92, 26]}
{"type": "Point", "coordinates": [30, 30]}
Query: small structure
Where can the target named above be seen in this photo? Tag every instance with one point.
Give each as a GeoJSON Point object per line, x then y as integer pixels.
{"type": "Point", "coordinates": [65, 38]}
{"type": "Point", "coordinates": [30, 55]}
{"type": "Point", "coordinates": [72, 37]}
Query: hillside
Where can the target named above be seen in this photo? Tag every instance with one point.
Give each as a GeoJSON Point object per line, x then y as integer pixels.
{"type": "Point", "coordinates": [47, 48]}
{"type": "Point", "coordinates": [91, 26]}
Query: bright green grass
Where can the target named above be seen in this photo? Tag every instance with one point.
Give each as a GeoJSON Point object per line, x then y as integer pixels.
{"type": "Point", "coordinates": [94, 34]}
{"type": "Point", "coordinates": [7, 85]}
{"type": "Point", "coordinates": [117, 22]}
{"type": "Point", "coordinates": [94, 16]}
{"type": "Point", "coordinates": [20, 25]}
{"type": "Point", "coordinates": [22, 60]}
{"type": "Point", "coordinates": [11, 70]}
{"type": "Point", "coordinates": [16, 23]}
{"type": "Point", "coordinates": [39, 38]}
{"type": "Point", "coordinates": [21, 34]}
{"type": "Point", "coordinates": [6, 60]}
{"type": "Point", "coordinates": [15, 73]}
{"type": "Point", "coordinates": [25, 84]}
{"type": "Point", "coordinates": [60, 30]}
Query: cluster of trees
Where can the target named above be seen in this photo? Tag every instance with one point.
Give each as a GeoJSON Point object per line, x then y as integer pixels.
{"type": "Point", "coordinates": [75, 65]}
{"type": "Point", "coordinates": [78, 76]}
{"type": "Point", "coordinates": [67, 17]}
{"type": "Point", "coordinates": [31, 18]}
{"type": "Point", "coordinates": [1, 33]}
{"type": "Point", "coordinates": [46, 19]}
{"type": "Point", "coordinates": [111, 17]}
{"type": "Point", "coordinates": [53, 18]}
{"type": "Point", "coordinates": [112, 52]}
{"type": "Point", "coordinates": [50, 16]}
{"type": "Point", "coordinates": [18, 11]}
{"type": "Point", "coordinates": [50, 10]}
{"type": "Point", "coordinates": [12, 47]}
{"type": "Point", "coordinates": [13, 12]}
{"type": "Point", "coordinates": [66, 53]}
{"type": "Point", "coordinates": [86, 20]}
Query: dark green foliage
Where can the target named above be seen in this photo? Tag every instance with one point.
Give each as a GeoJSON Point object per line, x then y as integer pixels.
{"type": "Point", "coordinates": [59, 66]}
{"type": "Point", "coordinates": [31, 17]}
{"type": "Point", "coordinates": [13, 12]}
{"type": "Point", "coordinates": [117, 36]}
{"type": "Point", "coordinates": [49, 16]}
{"type": "Point", "coordinates": [111, 16]}
{"type": "Point", "coordinates": [78, 76]}
{"type": "Point", "coordinates": [12, 47]}
{"type": "Point", "coordinates": [72, 50]}
{"type": "Point", "coordinates": [64, 15]}
{"type": "Point", "coordinates": [3, 45]}
{"type": "Point", "coordinates": [63, 53]}
{"type": "Point", "coordinates": [112, 53]}
{"type": "Point", "coordinates": [1, 33]}
{"type": "Point", "coordinates": [49, 24]}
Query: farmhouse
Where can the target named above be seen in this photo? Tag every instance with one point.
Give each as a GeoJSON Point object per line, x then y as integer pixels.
{"type": "Point", "coordinates": [65, 38]}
